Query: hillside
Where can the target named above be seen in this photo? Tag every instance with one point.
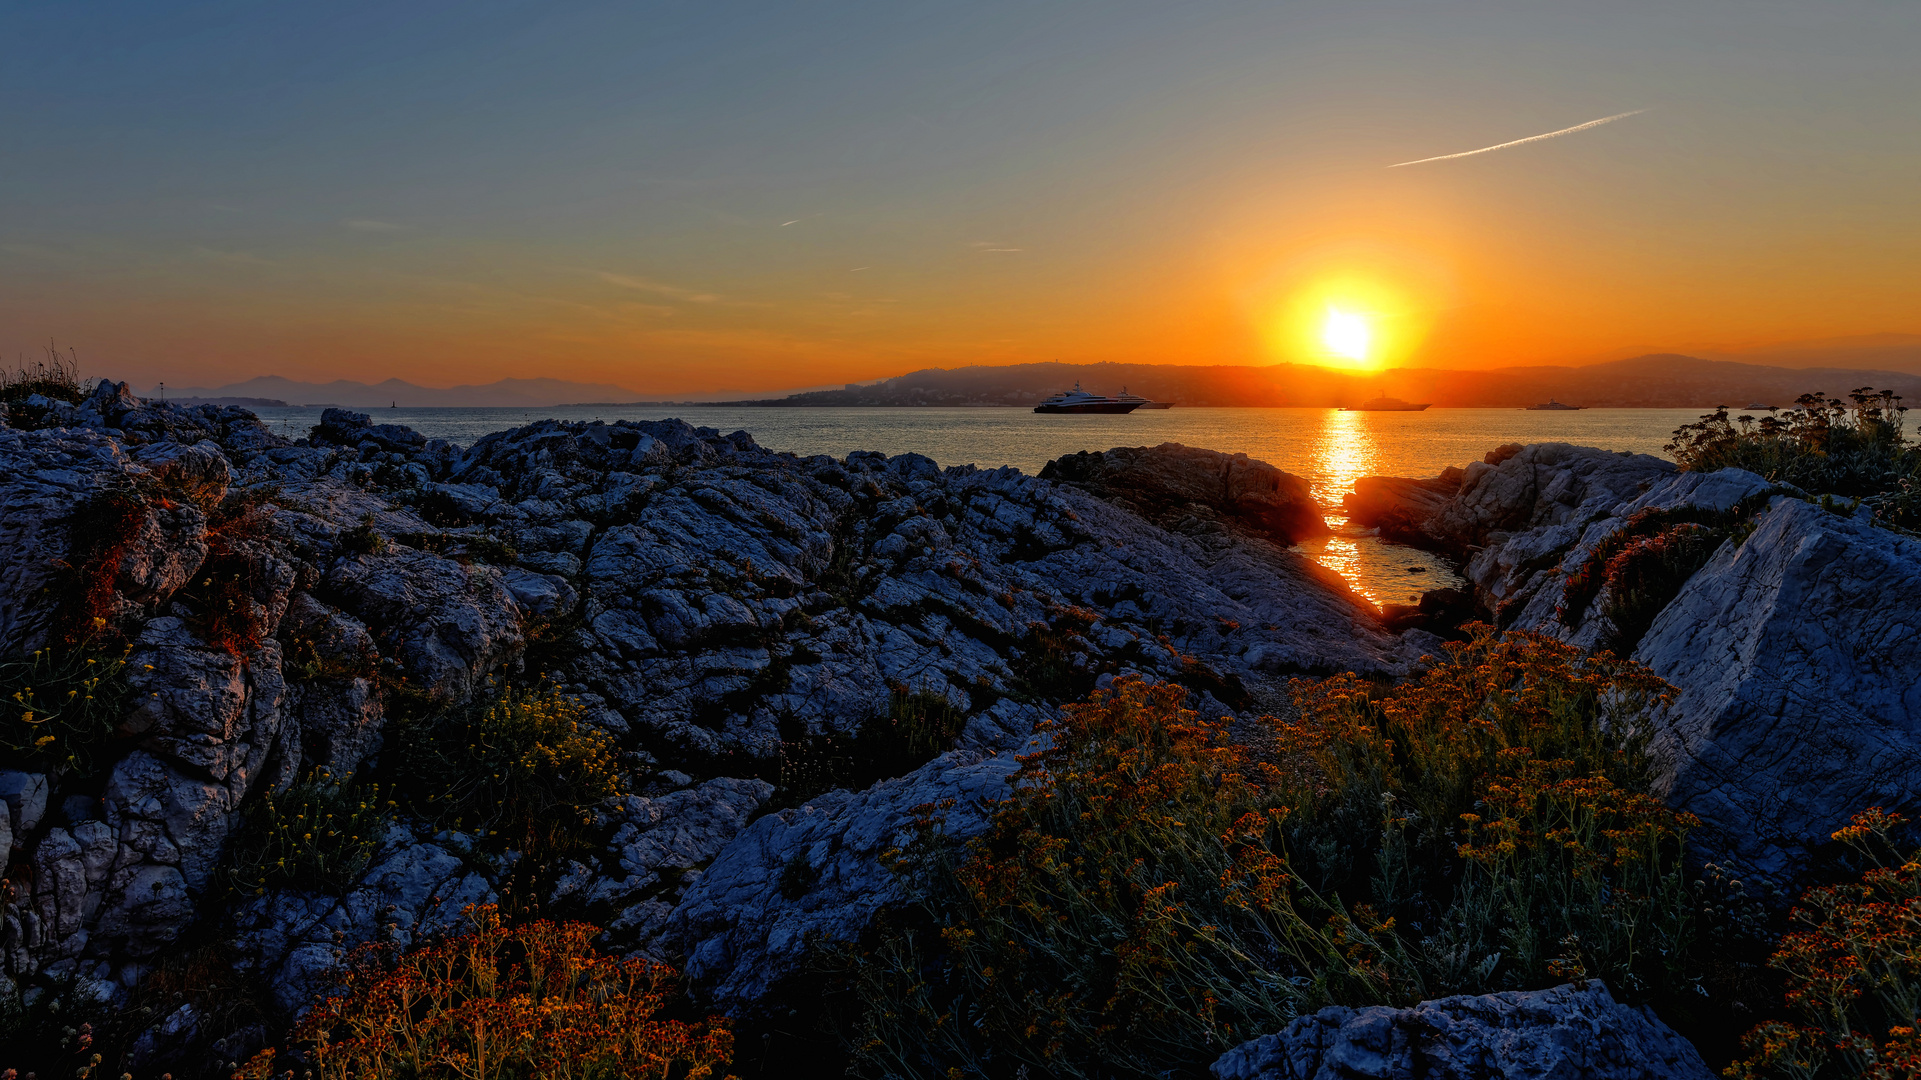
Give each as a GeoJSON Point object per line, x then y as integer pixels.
{"type": "Point", "coordinates": [1655, 381]}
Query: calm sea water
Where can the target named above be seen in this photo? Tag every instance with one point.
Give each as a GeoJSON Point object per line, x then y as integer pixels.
{"type": "Point", "coordinates": [1327, 447]}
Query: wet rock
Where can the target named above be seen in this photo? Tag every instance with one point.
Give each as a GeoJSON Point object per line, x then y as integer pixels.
{"type": "Point", "coordinates": [1569, 1031]}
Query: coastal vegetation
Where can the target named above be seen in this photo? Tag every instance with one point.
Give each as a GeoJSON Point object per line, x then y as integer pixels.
{"type": "Point", "coordinates": [496, 1002]}
{"type": "Point", "coordinates": [1853, 971]}
{"type": "Point", "coordinates": [1856, 449]}
{"type": "Point", "coordinates": [520, 768]}
{"type": "Point", "coordinates": [1153, 892]}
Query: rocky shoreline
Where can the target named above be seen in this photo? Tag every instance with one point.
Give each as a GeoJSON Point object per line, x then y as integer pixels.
{"type": "Point", "coordinates": [730, 619]}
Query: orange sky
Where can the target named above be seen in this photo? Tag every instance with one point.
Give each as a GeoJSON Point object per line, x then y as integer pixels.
{"type": "Point", "coordinates": [696, 206]}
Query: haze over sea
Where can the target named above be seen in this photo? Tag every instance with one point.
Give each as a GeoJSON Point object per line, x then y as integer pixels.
{"type": "Point", "coordinates": [1327, 447]}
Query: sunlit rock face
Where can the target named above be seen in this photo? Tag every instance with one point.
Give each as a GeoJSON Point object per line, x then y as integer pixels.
{"type": "Point", "coordinates": [1794, 650]}
{"type": "Point", "coordinates": [709, 602]}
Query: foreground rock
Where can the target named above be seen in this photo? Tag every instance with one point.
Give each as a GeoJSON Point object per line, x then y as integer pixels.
{"type": "Point", "coordinates": [1567, 1032]}
{"type": "Point", "coordinates": [1796, 648]}
{"type": "Point", "coordinates": [722, 611]}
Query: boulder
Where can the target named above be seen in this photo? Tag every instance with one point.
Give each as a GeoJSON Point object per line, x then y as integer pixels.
{"type": "Point", "coordinates": [1171, 482]}
{"type": "Point", "coordinates": [1398, 507]}
{"type": "Point", "coordinates": [1571, 1031]}
{"type": "Point", "coordinates": [1797, 654]}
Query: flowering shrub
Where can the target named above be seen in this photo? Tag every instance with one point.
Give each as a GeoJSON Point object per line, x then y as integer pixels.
{"type": "Point", "coordinates": [522, 767]}
{"type": "Point", "coordinates": [1822, 445]}
{"type": "Point", "coordinates": [59, 706]}
{"type": "Point", "coordinates": [1151, 892]}
{"type": "Point", "coordinates": [1512, 839]}
{"type": "Point", "coordinates": [317, 835]}
{"type": "Point", "coordinates": [1853, 973]}
{"type": "Point", "coordinates": [532, 1002]}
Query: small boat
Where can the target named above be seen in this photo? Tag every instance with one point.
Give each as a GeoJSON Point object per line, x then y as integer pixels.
{"type": "Point", "coordinates": [1386, 404]}
{"type": "Point", "coordinates": [1080, 401]}
{"type": "Point", "coordinates": [1141, 402]}
{"type": "Point", "coordinates": [1552, 405]}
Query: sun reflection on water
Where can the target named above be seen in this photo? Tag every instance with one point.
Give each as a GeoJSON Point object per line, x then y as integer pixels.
{"type": "Point", "coordinates": [1346, 448]}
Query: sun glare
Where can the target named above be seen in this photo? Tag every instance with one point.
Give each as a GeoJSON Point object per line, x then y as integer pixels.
{"type": "Point", "coordinates": [1345, 334]}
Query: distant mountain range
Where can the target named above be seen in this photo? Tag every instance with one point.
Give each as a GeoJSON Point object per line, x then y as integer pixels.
{"type": "Point", "coordinates": [1661, 380]}
{"type": "Point", "coordinates": [1656, 381]}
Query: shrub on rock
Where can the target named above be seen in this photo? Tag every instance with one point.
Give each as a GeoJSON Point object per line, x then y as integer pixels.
{"type": "Point", "coordinates": [1152, 892]}
{"type": "Point", "coordinates": [1854, 972]}
{"type": "Point", "coordinates": [533, 1001]}
{"type": "Point", "coordinates": [524, 766]}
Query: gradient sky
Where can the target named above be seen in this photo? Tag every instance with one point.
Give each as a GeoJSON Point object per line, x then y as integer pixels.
{"type": "Point", "coordinates": [202, 192]}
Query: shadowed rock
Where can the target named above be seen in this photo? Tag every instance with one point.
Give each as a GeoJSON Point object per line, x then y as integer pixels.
{"type": "Point", "coordinates": [1570, 1031]}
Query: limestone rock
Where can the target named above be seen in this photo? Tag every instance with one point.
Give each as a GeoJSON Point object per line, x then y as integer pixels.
{"type": "Point", "coordinates": [1168, 482]}
{"type": "Point", "coordinates": [1797, 654]}
{"type": "Point", "coordinates": [414, 886]}
{"type": "Point", "coordinates": [1399, 507]}
{"type": "Point", "coordinates": [813, 873]}
{"type": "Point", "coordinates": [1569, 1031]}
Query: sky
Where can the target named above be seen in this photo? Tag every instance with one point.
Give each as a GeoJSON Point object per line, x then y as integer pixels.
{"type": "Point", "coordinates": [713, 196]}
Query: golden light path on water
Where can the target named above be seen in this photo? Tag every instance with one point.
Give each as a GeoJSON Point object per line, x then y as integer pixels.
{"type": "Point", "coordinates": [1345, 451]}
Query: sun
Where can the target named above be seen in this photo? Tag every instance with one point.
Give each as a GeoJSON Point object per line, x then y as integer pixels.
{"type": "Point", "coordinates": [1346, 334]}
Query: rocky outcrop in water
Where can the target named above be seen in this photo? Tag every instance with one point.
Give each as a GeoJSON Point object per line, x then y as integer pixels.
{"type": "Point", "coordinates": [723, 612]}
{"type": "Point", "coordinates": [1577, 1030]}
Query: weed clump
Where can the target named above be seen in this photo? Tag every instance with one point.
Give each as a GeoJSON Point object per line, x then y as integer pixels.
{"type": "Point", "coordinates": [318, 835]}
{"type": "Point", "coordinates": [225, 591]}
{"type": "Point", "coordinates": [919, 726]}
{"type": "Point", "coordinates": [1151, 892]}
{"type": "Point", "coordinates": [523, 768]}
{"type": "Point", "coordinates": [1853, 972]}
{"type": "Point", "coordinates": [58, 707]}
{"type": "Point", "coordinates": [533, 1001]}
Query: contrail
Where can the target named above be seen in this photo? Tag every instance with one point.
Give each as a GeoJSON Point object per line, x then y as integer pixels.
{"type": "Point", "coordinates": [1518, 142]}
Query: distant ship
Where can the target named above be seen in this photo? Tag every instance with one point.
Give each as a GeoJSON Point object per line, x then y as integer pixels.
{"type": "Point", "coordinates": [1080, 401]}
{"type": "Point", "coordinates": [1386, 404]}
{"type": "Point", "coordinates": [1555, 406]}
{"type": "Point", "coordinates": [1141, 402]}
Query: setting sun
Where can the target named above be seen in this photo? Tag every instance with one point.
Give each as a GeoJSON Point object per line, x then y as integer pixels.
{"type": "Point", "coordinates": [1345, 334]}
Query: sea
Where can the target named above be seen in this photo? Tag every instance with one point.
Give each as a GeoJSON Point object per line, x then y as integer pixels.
{"type": "Point", "coordinates": [1328, 448]}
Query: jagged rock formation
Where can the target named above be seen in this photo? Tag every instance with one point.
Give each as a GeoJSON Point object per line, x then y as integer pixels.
{"type": "Point", "coordinates": [1180, 487]}
{"type": "Point", "coordinates": [717, 607]}
{"type": "Point", "coordinates": [1794, 648]}
{"type": "Point", "coordinates": [1568, 1031]}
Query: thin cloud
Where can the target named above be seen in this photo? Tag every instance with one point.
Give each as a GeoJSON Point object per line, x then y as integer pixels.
{"type": "Point", "coordinates": [1523, 142]}
{"type": "Point", "coordinates": [369, 225]}
{"type": "Point", "coordinates": [659, 288]}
